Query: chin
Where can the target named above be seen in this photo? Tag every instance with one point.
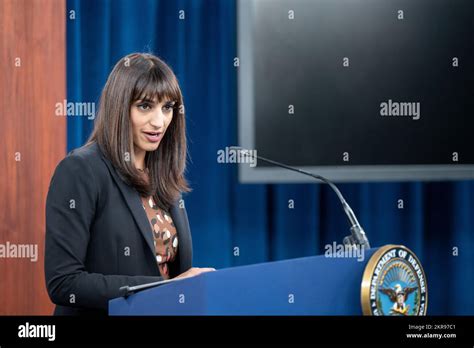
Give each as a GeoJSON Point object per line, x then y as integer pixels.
{"type": "Point", "coordinates": [151, 147]}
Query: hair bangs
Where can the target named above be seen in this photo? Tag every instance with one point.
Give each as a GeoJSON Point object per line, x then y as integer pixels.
{"type": "Point", "coordinates": [158, 85]}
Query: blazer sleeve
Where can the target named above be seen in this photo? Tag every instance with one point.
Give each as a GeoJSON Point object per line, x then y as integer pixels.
{"type": "Point", "coordinates": [70, 209]}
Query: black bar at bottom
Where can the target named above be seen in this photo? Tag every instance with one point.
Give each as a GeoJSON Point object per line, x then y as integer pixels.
{"type": "Point", "coordinates": [223, 329]}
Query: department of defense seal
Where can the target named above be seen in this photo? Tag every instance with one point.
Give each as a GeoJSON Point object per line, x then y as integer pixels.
{"type": "Point", "coordinates": [394, 283]}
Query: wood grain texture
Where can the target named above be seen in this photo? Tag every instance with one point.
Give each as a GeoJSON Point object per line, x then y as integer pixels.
{"type": "Point", "coordinates": [35, 32]}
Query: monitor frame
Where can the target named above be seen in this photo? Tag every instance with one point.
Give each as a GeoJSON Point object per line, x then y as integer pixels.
{"type": "Point", "coordinates": [343, 173]}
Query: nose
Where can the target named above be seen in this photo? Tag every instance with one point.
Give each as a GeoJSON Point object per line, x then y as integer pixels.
{"type": "Point", "coordinates": [158, 119]}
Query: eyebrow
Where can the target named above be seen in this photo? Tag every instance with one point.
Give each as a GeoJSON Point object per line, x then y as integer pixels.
{"type": "Point", "coordinates": [147, 100]}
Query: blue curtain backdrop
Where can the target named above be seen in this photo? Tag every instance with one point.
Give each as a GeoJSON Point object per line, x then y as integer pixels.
{"type": "Point", "coordinates": [255, 218]}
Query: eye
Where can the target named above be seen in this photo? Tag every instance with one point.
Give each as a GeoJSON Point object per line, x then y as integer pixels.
{"type": "Point", "coordinates": [168, 107]}
{"type": "Point", "coordinates": [144, 106]}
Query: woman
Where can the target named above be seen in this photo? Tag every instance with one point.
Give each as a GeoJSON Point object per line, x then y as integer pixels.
{"type": "Point", "coordinates": [114, 210]}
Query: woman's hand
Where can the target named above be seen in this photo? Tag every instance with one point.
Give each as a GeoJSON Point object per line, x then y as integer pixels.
{"type": "Point", "coordinates": [194, 271]}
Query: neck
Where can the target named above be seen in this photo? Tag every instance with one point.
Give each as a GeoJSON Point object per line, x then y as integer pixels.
{"type": "Point", "coordinates": [139, 158]}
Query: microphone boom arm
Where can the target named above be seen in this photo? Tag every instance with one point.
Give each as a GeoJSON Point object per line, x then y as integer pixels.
{"type": "Point", "coordinates": [358, 238]}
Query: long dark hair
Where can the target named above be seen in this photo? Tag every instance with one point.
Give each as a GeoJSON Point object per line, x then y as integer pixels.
{"type": "Point", "coordinates": [134, 77]}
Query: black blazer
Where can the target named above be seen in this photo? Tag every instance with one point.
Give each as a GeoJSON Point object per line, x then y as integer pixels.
{"type": "Point", "coordinates": [98, 237]}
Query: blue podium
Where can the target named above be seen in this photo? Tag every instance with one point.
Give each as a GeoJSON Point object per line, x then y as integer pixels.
{"type": "Point", "coordinates": [316, 285]}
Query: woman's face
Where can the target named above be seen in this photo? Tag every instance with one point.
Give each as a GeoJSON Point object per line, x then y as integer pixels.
{"type": "Point", "coordinates": [150, 120]}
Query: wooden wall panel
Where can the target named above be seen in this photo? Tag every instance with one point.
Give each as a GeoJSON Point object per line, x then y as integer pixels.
{"type": "Point", "coordinates": [35, 32]}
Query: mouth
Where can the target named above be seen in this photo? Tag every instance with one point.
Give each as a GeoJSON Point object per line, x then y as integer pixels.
{"type": "Point", "coordinates": [153, 137]}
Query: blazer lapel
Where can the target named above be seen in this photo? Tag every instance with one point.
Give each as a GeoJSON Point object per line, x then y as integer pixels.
{"type": "Point", "coordinates": [132, 198]}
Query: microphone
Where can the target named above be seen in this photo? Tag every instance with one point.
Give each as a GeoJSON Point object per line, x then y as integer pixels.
{"type": "Point", "coordinates": [357, 238]}
{"type": "Point", "coordinates": [127, 290]}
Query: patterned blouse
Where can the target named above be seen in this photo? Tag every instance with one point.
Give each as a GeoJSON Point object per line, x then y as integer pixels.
{"type": "Point", "coordinates": [164, 235]}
